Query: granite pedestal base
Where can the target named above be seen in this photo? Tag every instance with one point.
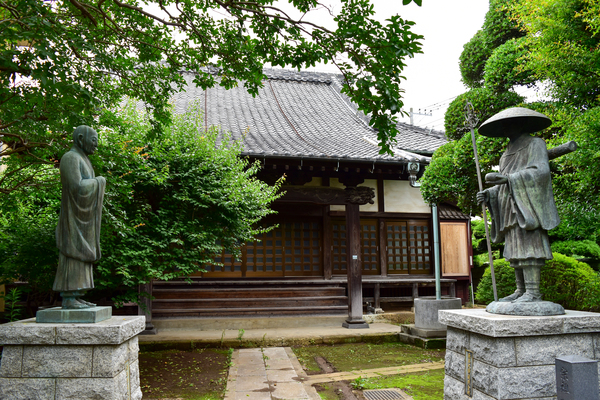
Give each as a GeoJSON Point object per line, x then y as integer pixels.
{"type": "Point", "coordinates": [502, 357]}
{"type": "Point", "coordinates": [71, 361]}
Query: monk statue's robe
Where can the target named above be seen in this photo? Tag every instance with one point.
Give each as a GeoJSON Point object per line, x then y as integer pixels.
{"type": "Point", "coordinates": [78, 230]}
{"type": "Point", "coordinates": [523, 210]}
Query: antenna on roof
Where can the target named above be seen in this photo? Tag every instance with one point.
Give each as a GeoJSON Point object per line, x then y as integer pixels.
{"type": "Point", "coordinates": [424, 113]}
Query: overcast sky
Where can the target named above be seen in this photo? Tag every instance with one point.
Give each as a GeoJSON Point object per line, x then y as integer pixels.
{"type": "Point", "coordinates": [433, 78]}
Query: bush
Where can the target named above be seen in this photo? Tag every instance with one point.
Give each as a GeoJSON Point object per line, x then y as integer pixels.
{"type": "Point", "coordinates": [505, 282]}
{"type": "Point", "coordinates": [171, 203]}
{"type": "Point", "coordinates": [566, 281]}
{"type": "Point", "coordinates": [577, 248]}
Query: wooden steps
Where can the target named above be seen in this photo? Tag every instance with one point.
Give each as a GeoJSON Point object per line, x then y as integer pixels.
{"type": "Point", "coordinates": [203, 298]}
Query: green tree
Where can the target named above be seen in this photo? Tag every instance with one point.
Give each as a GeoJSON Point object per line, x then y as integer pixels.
{"type": "Point", "coordinates": [63, 62]}
{"type": "Point", "coordinates": [171, 204]}
{"type": "Point", "coordinates": [554, 44]}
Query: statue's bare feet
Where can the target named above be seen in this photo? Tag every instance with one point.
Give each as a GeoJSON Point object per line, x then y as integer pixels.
{"type": "Point", "coordinates": [516, 295]}
{"type": "Point", "coordinates": [528, 298]}
{"type": "Point", "coordinates": [71, 303]}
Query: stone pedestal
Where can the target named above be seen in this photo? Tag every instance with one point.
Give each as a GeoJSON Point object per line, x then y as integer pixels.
{"type": "Point", "coordinates": [71, 361]}
{"type": "Point", "coordinates": [498, 357]}
{"type": "Point", "coordinates": [426, 315]}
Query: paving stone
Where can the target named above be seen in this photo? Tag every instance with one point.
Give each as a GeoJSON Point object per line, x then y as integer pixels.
{"type": "Point", "coordinates": [252, 396]}
{"type": "Point", "coordinates": [251, 370]}
{"type": "Point", "coordinates": [275, 353]}
{"type": "Point", "coordinates": [250, 384]}
{"type": "Point", "coordinates": [284, 365]}
{"type": "Point", "coordinates": [289, 391]}
{"type": "Point", "coordinates": [12, 362]}
{"type": "Point", "coordinates": [281, 376]}
{"type": "Point", "coordinates": [57, 361]}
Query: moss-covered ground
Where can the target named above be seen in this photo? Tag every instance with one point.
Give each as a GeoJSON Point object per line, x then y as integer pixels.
{"type": "Point", "coordinates": [195, 374]}
{"type": "Point", "coordinates": [354, 356]}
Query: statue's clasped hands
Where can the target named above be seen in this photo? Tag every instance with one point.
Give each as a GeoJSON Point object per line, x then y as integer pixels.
{"type": "Point", "coordinates": [493, 178]}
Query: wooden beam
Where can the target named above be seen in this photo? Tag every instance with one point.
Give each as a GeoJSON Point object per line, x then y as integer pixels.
{"type": "Point", "coordinates": [326, 195]}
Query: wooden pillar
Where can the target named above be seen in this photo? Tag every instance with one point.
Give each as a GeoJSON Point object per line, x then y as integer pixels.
{"type": "Point", "coordinates": [354, 268]}
{"type": "Point", "coordinates": [327, 265]}
{"type": "Point", "coordinates": [147, 303]}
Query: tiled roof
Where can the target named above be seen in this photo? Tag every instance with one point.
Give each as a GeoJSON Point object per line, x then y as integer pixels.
{"type": "Point", "coordinates": [301, 115]}
{"type": "Point", "coordinates": [447, 211]}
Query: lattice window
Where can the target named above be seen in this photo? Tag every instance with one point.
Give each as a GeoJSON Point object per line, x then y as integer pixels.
{"type": "Point", "coordinates": [369, 246]}
{"type": "Point", "coordinates": [397, 248]}
{"type": "Point", "coordinates": [338, 244]}
{"type": "Point", "coordinates": [302, 248]}
{"type": "Point", "coordinates": [418, 242]}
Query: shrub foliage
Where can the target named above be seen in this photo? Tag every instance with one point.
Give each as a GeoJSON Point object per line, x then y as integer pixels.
{"type": "Point", "coordinates": [566, 281]}
{"type": "Point", "coordinates": [171, 204]}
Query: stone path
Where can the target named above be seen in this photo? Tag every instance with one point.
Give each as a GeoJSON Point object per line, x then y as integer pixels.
{"type": "Point", "coordinates": [274, 373]}
{"type": "Point", "coordinates": [267, 374]}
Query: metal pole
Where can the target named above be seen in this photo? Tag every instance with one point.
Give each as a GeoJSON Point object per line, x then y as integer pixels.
{"type": "Point", "coordinates": [436, 252]}
{"type": "Point", "coordinates": [472, 121]}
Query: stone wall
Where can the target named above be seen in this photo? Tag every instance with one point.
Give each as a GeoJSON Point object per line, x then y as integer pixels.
{"type": "Point", "coordinates": [71, 361]}
{"type": "Point", "coordinates": [512, 357]}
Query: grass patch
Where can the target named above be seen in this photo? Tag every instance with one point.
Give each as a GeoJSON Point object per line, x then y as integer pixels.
{"type": "Point", "coordinates": [348, 357]}
{"type": "Point", "coordinates": [195, 374]}
{"type": "Point", "coordinates": [421, 386]}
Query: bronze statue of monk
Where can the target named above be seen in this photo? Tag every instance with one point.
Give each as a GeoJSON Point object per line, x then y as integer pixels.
{"type": "Point", "coordinates": [78, 230]}
{"type": "Point", "coordinates": [522, 207]}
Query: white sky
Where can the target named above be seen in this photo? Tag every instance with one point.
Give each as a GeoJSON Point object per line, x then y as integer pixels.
{"type": "Point", "coordinates": [433, 78]}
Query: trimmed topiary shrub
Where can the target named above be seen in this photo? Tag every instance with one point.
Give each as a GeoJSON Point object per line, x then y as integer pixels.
{"type": "Point", "coordinates": [566, 281]}
{"type": "Point", "coordinates": [505, 282]}
{"type": "Point", "coordinates": [577, 248]}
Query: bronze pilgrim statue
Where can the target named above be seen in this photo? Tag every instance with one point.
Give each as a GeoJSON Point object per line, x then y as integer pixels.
{"type": "Point", "coordinates": [78, 230]}
{"type": "Point", "coordinates": [522, 208]}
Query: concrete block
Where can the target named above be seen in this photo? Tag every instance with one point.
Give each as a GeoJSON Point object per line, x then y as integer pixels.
{"type": "Point", "coordinates": [426, 311]}
{"type": "Point", "coordinates": [57, 361]}
{"type": "Point", "coordinates": [93, 389]}
{"type": "Point", "coordinates": [455, 365]}
{"type": "Point", "coordinates": [109, 361]}
{"type": "Point", "coordinates": [26, 332]}
{"type": "Point", "coordinates": [498, 352]}
{"type": "Point", "coordinates": [543, 350]}
{"type": "Point", "coordinates": [12, 362]}
{"type": "Point", "coordinates": [27, 388]}
{"type": "Point", "coordinates": [112, 331]}
{"type": "Point", "coordinates": [457, 340]}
